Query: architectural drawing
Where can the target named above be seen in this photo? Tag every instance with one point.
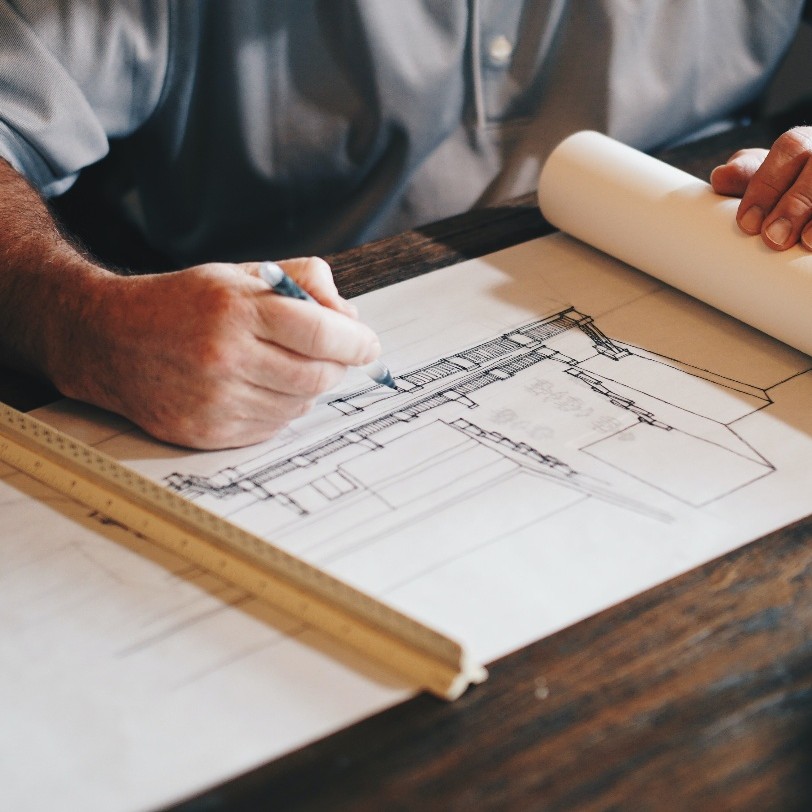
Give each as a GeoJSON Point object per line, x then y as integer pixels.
{"type": "Point", "coordinates": [536, 465]}
{"type": "Point", "coordinates": [449, 435]}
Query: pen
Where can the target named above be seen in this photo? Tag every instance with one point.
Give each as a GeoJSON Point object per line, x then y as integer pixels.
{"type": "Point", "coordinates": [279, 282]}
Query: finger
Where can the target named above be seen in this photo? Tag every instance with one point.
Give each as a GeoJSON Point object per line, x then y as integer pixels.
{"type": "Point", "coordinates": [315, 332]}
{"type": "Point", "coordinates": [732, 178]}
{"type": "Point", "coordinates": [783, 227]}
{"type": "Point", "coordinates": [219, 414]}
{"type": "Point", "coordinates": [252, 417]}
{"type": "Point", "coordinates": [245, 412]}
{"type": "Point", "coordinates": [773, 178]}
{"type": "Point", "coordinates": [280, 370]}
{"type": "Point", "coordinates": [806, 237]}
{"type": "Point", "coordinates": [315, 276]}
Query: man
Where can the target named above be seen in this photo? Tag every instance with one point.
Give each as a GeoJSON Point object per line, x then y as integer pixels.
{"type": "Point", "coordinates": [250, 130]}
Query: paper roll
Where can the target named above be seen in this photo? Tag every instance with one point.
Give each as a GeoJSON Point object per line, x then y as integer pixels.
{"type": "Point", "coordinates": [667, 223]}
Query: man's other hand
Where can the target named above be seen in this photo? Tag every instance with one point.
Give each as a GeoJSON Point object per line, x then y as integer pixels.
{"type": "Point", "coordinates": [775, 187]}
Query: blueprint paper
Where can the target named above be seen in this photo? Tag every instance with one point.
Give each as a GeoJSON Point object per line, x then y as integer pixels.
{"type": "Point", "coordinates": [569, 432]}
{"type": "Point", "coordinates": [670, 224]}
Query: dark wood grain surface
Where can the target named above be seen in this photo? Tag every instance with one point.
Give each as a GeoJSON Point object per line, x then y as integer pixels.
{"type": "Point", "coordinates": [696, 694]}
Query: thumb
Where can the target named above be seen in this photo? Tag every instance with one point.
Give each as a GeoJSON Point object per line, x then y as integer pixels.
{"type": "Point", "coordinates": [315, 276]}
{"type": "Point", "coordinates": [732, 178]}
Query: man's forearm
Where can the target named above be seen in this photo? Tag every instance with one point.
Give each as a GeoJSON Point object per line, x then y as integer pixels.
{"type": "Point", "coordinates": [47, 287]}
{"type": "Point", "coordinates": [207, 356]}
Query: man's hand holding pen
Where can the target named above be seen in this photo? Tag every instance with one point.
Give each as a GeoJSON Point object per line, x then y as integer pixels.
{"type": "Point", "coordinates": [209, 357]}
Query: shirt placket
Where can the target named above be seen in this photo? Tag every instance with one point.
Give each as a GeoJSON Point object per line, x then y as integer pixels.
{"type": "Point", "coordinates": [499, 39]}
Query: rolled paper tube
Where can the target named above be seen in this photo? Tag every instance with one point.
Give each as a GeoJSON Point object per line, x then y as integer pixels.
{"type": "Point", "coordinates": [672, 226]}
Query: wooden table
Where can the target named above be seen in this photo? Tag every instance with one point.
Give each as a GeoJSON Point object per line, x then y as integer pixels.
{"type": "Point", "coordinates": [697, 693]}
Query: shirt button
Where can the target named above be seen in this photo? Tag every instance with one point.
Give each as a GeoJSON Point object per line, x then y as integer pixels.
{"type": "Point", "coordinates": [500, 49]}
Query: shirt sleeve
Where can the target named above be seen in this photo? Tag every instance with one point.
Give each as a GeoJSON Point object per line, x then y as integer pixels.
{"type": "Point", "coordinates": [72, 76]}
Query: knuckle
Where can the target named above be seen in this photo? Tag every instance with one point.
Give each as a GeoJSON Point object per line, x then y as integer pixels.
{"type": "Point", "coordinates": [794, 142]}
{"type": "Point", "coordinates": [747, 155]}
{"type": "Point", "coordinates": [319, 266]}
{"type": "Point", "coordinates": [319, 275]}
{"type": "Point", "coordinates": [216, 355]}
{"type": "Point", "coordinates": [223, 306]}
{"type": "Point", "coordinates": [309, 269]}
{"type": "Point", "coordinates": [797, 203]}
{"type": "Point", "coordinates": [771, 185]}
{"type": "Point", "coordinates": [217, 297]}
{"type": "Point", "coordinates": [803, 137]}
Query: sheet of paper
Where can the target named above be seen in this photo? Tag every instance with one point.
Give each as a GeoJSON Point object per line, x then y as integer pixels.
{"type": "Point", "coordinates": [129, 679]}
{"type": "Point", "coordinates": [568, 433]}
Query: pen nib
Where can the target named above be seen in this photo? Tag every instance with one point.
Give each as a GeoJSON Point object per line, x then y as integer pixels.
{"type": "Point", "coordinates": [380, 373]}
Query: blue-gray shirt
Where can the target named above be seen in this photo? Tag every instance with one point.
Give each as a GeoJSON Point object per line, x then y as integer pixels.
{"type": "Point", "coordinates": [253, 129]}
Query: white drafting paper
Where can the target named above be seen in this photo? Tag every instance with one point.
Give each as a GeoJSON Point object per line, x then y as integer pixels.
{"type": "Point", "coordinates": [129, 679]}
{"type": "Point", "coordinates": [569, 432]}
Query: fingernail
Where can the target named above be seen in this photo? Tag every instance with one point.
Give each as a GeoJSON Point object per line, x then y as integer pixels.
{"type": "Point", "coordinates": [752, 219]}
{"type": "Point", "coordinates": [806, 239]}
{"type": "Point", "coordinates": [350, 309]}
{"type": "Point", "coordinates": [778, 231]}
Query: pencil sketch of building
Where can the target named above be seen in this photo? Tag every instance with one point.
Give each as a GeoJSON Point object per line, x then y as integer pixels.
{"type": "Point", "coordinates": [533, 421]}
